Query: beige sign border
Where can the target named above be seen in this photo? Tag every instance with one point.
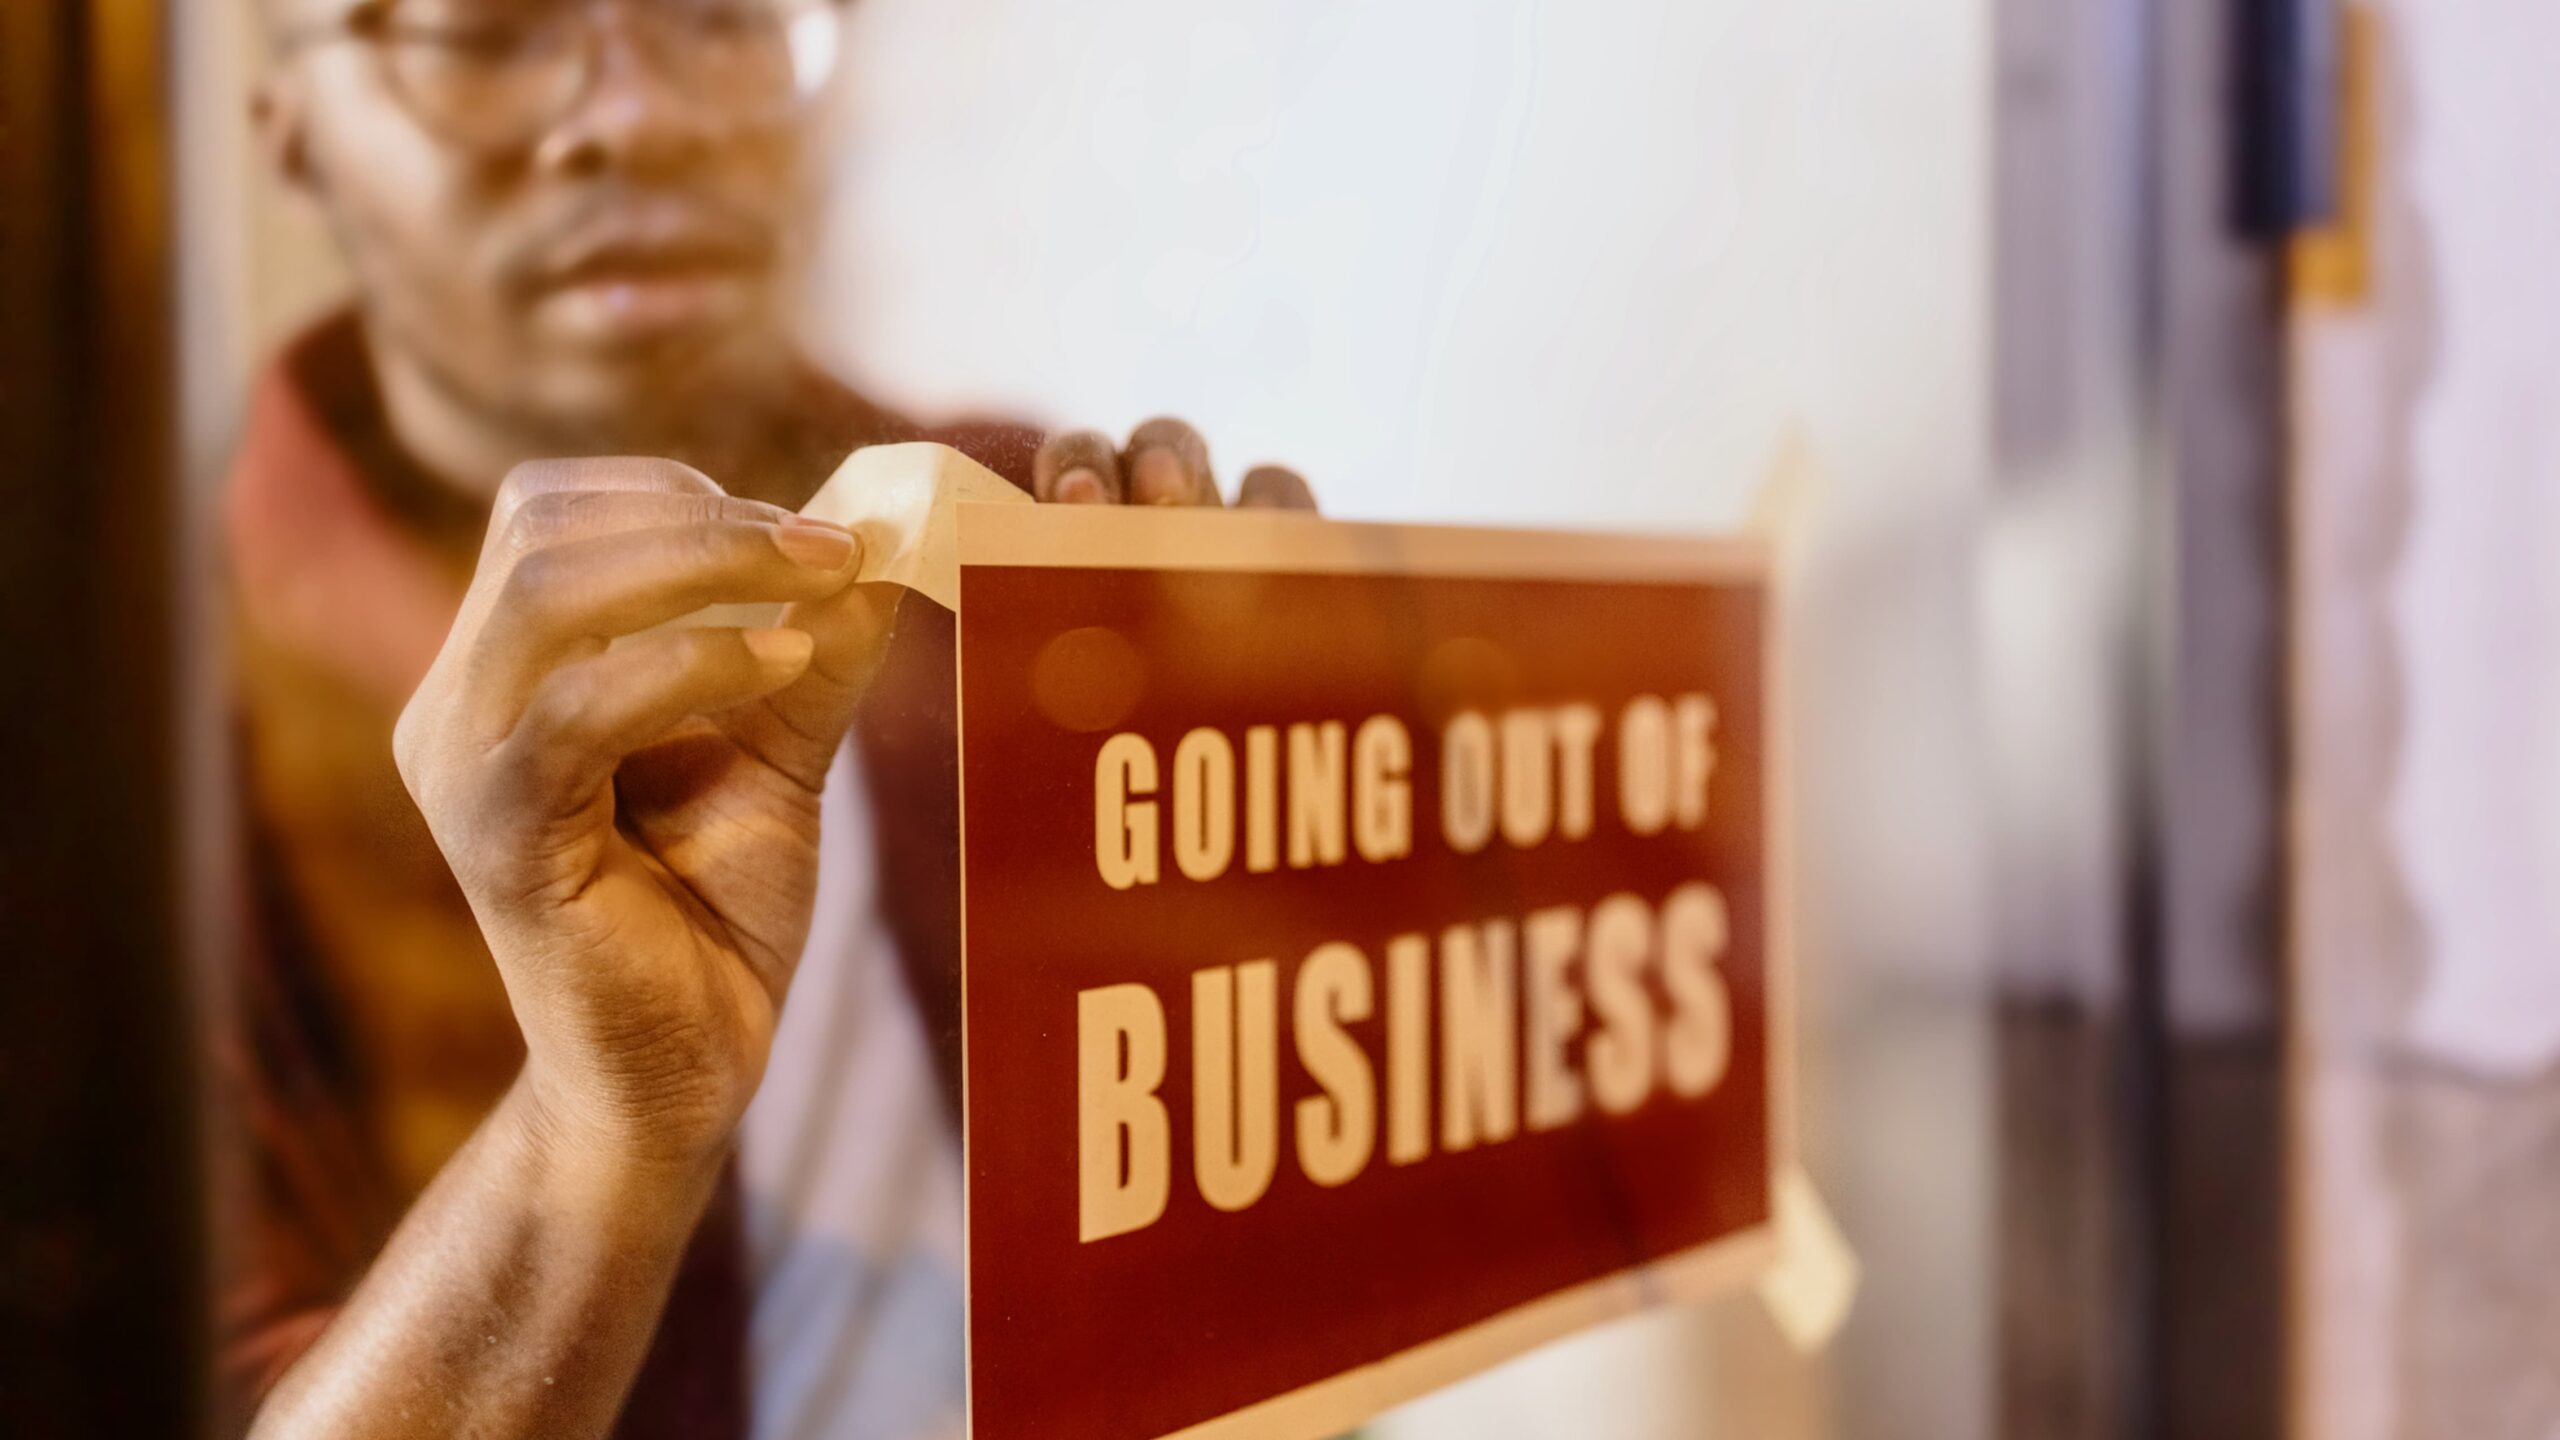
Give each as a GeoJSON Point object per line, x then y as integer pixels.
{"type": "Point", "coordinates": [1129, 538]}
{"type": "Point", "coordinates": [1100, 537]}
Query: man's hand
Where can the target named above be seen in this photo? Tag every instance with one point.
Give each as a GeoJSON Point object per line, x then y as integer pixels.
{"type": "Point", "coordinates": [636, 824]}
{"type": "Point", "coordinates": [636, 828]}
{"type": "Point", "coordinates": [1165, 463]}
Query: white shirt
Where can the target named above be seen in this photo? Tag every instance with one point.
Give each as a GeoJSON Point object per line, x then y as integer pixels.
{"type": "Point", "coordinates": [850, 1172]}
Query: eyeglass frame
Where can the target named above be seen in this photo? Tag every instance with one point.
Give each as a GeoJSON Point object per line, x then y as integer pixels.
{"type": "Point", "coordinates": [372, 22]}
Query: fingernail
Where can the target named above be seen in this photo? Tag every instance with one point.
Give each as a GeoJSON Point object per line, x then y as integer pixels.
{"type": "Point", "coordinates": [1080, 486]}
{"type": "Point", "coordinates": [780, 650]}
{"type": "Point", "coordinates": [1158, 477]}
{"type": "Point", "coordinates": [815, 544]}
{"type": "Point", "coordinates": [1272, 487]}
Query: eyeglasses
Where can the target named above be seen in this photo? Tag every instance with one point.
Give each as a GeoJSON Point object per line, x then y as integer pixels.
{"type": "Point", "coordinates": [496, 74]}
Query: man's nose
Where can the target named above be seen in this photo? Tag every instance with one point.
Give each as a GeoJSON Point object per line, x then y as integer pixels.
{"type": "Point", "coordinates": [636, 113]}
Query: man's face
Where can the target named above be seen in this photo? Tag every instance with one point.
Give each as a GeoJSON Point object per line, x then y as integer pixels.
{"type": "Point", "coordinates": [601, 225]}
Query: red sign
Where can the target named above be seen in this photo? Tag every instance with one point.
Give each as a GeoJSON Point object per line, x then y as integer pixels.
{"type": "Point", "coordinates": [1368, 956]}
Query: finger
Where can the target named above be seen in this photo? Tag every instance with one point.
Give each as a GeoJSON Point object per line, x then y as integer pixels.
{"type": "Point", "coordinates": [626, 473]}
{"type": "Point", "coordinates": [1168, 464]}
{"type": "Point", "coordinates": [541, 516]}
{"type": "Point", "coordinates": [559, 516]}
{"type": "Point", "coordinates": [585, 717]}
{"type": "Point", "coordinates": [799, 728]}
{"type": "Point", "coordinates": [570, 599]}
{"type": "Point", "coordinates": [1076, 468]}
{"type": "Point", "coordinates": [1274, 487]}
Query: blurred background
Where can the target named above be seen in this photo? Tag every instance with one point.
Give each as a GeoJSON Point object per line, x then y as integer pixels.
{"type": "Point", "coordinates": [2175, 655]}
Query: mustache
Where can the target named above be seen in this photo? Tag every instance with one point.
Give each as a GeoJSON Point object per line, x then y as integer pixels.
{"type": "Point", "coordinates": [625, 229]}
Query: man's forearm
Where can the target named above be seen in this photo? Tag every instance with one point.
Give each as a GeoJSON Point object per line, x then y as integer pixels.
{"type": "Point", "coordinates": [517, 1298]}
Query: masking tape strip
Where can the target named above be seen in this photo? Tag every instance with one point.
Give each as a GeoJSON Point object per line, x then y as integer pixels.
{"type": "Point", "coordinates": [899, 499]}
{"type": "Point", "coordinates": [1783, 508]}
{"type": "Point", "coordinates": [1814, 1281]}
{"type": "Point", "coordinates": [1811, 1285]}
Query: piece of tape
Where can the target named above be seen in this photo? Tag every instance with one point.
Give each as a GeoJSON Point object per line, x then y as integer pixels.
{"type": "Point", "coordinates": [1783, 508]}
{"type": "Point", "coordinates": [1814, 1282]}
{"type": "Point", "coordinates": [898, 499]}
{"type": "Point", "coordinates": [1811, 1286]}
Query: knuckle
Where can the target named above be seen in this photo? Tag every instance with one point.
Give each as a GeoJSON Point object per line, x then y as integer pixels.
{"type": "Point", "coordinates": [533, 584]}
{"type": "Point", "coordinates": [539, 520]}
{"type": "Point", "coordinates": [561, 491]}
{"type": "Point", "coordinates": [696, 561]}
{"type": "Point", "coordinates": [719, 544]}
{"type": "Point", "coordinates": [732, 509]}
{"type": "Point", "coordinates": [427, 778]}
{"type": "Point", "coordinates": [709, 510]}
{"type": "Point", "coordinates": [408, 747]}
{"type": "Point", "coordinates": [524, 480]}
{"type": "Point", "coordinates": [529, 481]}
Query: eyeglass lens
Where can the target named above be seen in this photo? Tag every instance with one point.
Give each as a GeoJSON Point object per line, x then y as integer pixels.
{"type": "Point", "coordinates": [489, 72]}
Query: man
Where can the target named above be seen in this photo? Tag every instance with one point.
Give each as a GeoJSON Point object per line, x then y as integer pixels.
{"type": "Point", "coordinates": [496, 1049]}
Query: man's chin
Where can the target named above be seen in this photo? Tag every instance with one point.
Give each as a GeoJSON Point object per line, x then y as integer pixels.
{"type": "Point", "coordinates": [622, 370]}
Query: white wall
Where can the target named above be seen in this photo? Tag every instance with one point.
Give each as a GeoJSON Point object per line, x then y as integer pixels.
{"type": "Point", "coordinates": [2426, 916]}
{"type": "Point", "coordinates": [2475, 604]}
{"type": "Point", "coordinates": [1516, 260]}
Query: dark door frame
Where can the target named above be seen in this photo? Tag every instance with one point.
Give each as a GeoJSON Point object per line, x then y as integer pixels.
{"type": "Point", "coordinates": [101, 1291]}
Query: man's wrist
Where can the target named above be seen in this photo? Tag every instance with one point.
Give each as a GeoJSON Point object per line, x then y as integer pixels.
{"type": "Point", "coordinates": [583, 1151]}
